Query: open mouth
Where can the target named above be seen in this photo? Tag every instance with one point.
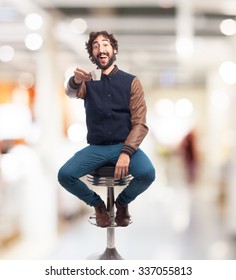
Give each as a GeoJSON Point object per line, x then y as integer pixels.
{"type": "Point", "coordinates": [103, 58]}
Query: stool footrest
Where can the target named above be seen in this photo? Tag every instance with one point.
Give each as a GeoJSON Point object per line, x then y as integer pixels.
{"type": "Point", "coordinates": [92, 221]}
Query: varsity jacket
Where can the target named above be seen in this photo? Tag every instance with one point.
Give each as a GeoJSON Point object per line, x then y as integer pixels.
{"type": "Point", "coordinates": [115, 109]}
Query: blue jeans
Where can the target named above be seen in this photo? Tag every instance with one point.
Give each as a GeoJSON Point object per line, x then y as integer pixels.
{"type": "Point", "coordinates": [94, 156]}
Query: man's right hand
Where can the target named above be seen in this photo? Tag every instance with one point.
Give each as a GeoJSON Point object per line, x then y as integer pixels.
{"type": "Point", "coordinates": [80, 75]}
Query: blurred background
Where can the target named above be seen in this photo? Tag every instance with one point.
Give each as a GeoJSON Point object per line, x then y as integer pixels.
{"type": "Point", "coordinates": [183, 51]}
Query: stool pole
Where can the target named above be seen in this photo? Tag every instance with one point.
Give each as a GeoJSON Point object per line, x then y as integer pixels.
{"type": "Point", "coordinates": [104, 177]}
{"type": "Point", "coordinates": [111, 252]}
{"type": "Point", "coordinates": [110, 209]}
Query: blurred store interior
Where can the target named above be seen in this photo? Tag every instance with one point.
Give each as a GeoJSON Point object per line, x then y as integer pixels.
{"type": "Point", "coordinates": [183, 51]}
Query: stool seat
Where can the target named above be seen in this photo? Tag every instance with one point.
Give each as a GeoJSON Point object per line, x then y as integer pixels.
{"type": "Point", "coordinates": [104, 177]}
{"type": "Point", "coordinates": [104, 171]}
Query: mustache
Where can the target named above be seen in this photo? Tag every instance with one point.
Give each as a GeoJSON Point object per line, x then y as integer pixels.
{"type": "Point", "coordinates": [103, 53]}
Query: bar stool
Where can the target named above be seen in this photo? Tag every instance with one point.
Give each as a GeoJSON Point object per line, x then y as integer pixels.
{"type": "Point", "coordinates": [104, 177]}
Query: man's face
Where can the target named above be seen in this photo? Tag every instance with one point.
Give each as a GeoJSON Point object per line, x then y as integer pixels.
{"type": "Point", "coordinates": [103, 52]}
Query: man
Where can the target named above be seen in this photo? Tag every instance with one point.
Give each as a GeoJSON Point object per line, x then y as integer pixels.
{"type": "Point", "coordinates": [116, 123]}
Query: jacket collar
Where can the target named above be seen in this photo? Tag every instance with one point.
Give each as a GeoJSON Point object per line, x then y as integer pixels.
{"type": "Point", "coordinates": [114, 70]}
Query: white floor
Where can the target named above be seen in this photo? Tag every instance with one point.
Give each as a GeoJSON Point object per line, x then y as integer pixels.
{"type": "Point", "coordinates": [170, 221]}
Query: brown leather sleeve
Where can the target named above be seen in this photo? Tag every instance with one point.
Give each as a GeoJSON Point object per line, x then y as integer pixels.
{"type": "Point", "coordinates": [138, 111]}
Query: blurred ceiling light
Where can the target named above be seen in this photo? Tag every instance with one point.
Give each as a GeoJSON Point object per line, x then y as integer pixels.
{"type": "Point", "coordinates": [228, 27]}
{"type": "Point", "coordinates": [227, 72]}
{"type": "Point", "coordinates": [33, 21]}
{"type": "Point", "coordinates": [33, 41]}
{"type": "Point", "coordinates": [184, 107]}
{"type": "Point", "coordinates": [26, 80]}
{"type": "Point", "coordinates": [6, 53]}
{"type": "Point", "coordinates": [184, 47]}
{"type": "Point", "coordinates": [164, 107]}
{"type": "Point", "coordinates": [76, 132]}
{"type": "Point", "coordinates": [78, 26]}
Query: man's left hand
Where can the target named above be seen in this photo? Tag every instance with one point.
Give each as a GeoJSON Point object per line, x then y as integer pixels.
{"type": "Point", "coordinates": [122, 166]}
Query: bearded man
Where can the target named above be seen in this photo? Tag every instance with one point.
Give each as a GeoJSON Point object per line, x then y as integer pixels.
{"type": "Point", "coordinates": [116, 123]}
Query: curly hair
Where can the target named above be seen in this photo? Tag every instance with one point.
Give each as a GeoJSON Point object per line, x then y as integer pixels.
{"type": "Point", "coordinates": [93, 36]}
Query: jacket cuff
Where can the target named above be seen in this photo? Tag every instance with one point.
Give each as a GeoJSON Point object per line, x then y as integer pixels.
{"type": "Point", "coordinates": [73, 84]}
{"type": "Point", "coordinates": [128, 150]}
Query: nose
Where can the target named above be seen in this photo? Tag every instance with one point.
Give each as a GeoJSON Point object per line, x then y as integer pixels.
{"type": "Point", "coordinates": [101, 49]}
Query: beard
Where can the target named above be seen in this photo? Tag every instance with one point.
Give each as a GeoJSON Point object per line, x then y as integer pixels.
{"type": "Point", "coordinates": [109, 63]}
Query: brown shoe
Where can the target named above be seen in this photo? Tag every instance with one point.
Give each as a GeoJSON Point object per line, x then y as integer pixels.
{"type": "Point", "coordinates": [123, 217]}
{"type": "Point", "coordinates": [102, 217]}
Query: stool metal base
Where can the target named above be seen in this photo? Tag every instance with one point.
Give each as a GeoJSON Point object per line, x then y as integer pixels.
{"type": "Point", "coordinates": [108, 254]}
